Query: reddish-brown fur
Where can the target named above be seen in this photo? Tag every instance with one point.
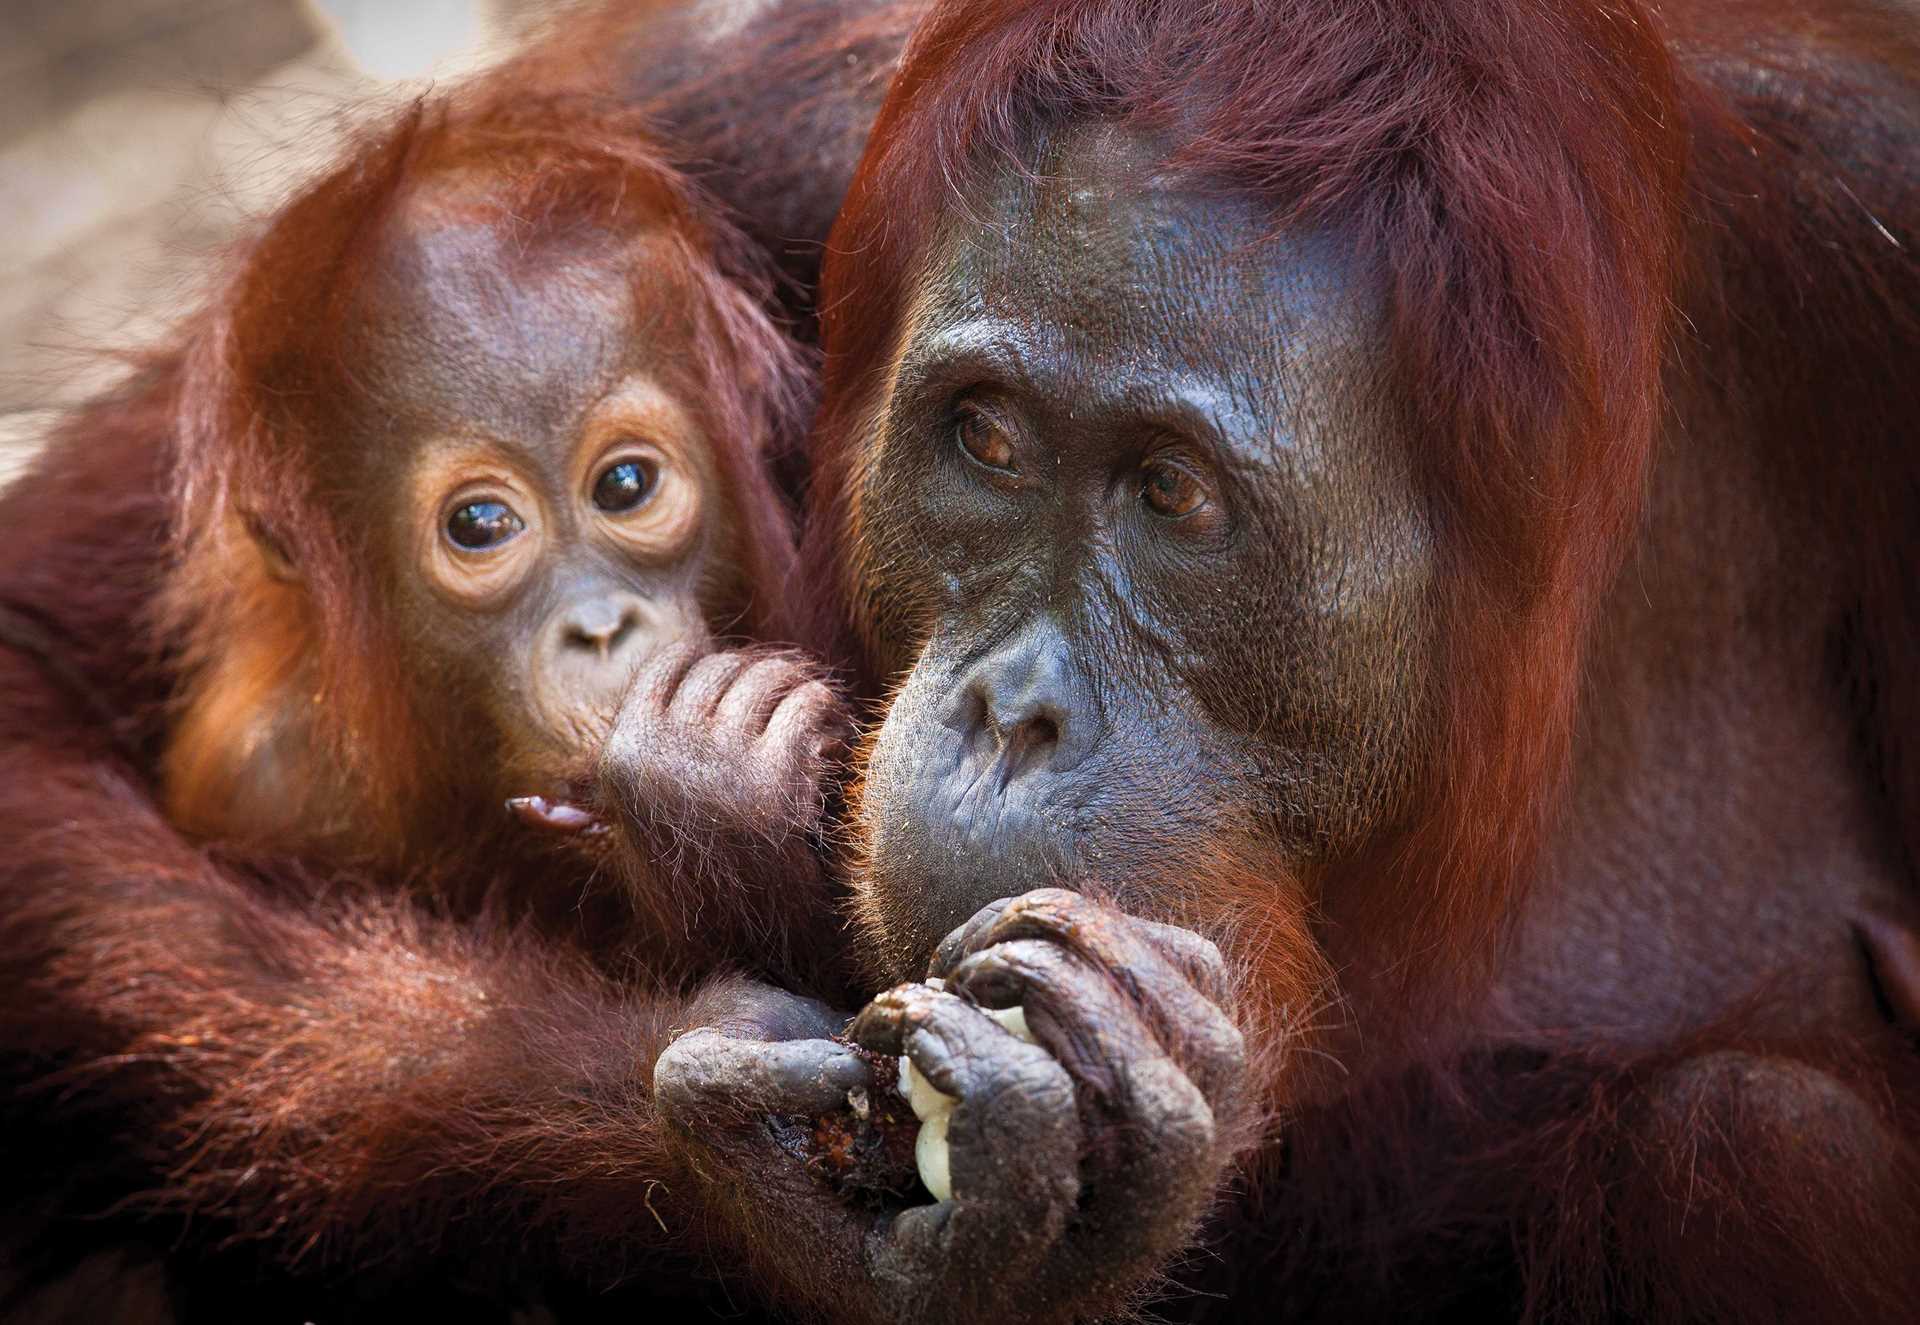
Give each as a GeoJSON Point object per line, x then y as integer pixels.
{"type": "Point", "coordinates": [807, 74]}
{"type": "Point", "coordinates": [1642, 266]}
{"type": "Point", "coordinates": [257, 411]}
{"type": "Point", "coordinates": [344, 1055]}
{"type": "Point", "coordinates": [351, 1093]}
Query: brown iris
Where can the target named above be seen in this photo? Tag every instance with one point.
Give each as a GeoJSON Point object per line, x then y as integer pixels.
{"type": "Point", "coordinates": [480, 525]}
{"type": "Point", "coordinates": [1171, 491]}
{"type": "Point", "coordinates": [624, 486]}
{"type": "Point", "coordinates": [982, 437]}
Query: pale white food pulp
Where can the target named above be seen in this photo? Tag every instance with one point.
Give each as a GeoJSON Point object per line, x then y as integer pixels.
{"type": "Point", "coordinates": [934, 1108]}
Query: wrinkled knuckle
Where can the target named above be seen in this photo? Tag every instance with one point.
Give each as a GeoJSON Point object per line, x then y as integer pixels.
{"type": "Point", "coordinates": [705, 677]}
{"type": "Point", "coordinates": [1206, 956]}
{"type": "Point", "coordinates": [797, 673]}
{"type": "Point", "coordinates": [1173, 1112]}
{"type": "Point", "coordinates": [903, 1000]}
{"type": "Point", "coordinates": [793, 752]}
{"type": "Point", "coordinates": [767, 667]}
{"type": "Point", "coordinates": [1000, 959]}
{"type": "Point", "coordinates": [1043, 909]}
{"type": "Point", "coordinates": [983, 920]}
{"type": "Point", "coordinates": [1031, 1110]}
{"type": "Point", "coordinates": [1052, 1094]}
{"type": "Point", "coordinates": [658, 683]}
{"type": "Point", "coordinates": [763, 687]}
{"type": "Point", "coordinates": [822, 705]}
{"type": "Point", "coordinates": [1221, 1050]}
{"type": "Point", "coordinates": [1051, 899]}
{"type": "Point", "coordinates": [1029, 1070]}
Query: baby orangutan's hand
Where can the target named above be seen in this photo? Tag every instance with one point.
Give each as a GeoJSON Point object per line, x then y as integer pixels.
{"type": "Point", "coordinates": [719, 763]}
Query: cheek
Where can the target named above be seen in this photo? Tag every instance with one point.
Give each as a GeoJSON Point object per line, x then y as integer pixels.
{"type": "Point", "coordinates": [439, 642]}
{"type": "Point", "coordinates": [924, 544]}
{"type": "Point", "coordinates": [906, 895]}
{"type": "Point", "coordinates": [468, 675]}
{"type": "Point", "coordinates": [1325, 660]}
{"type": "Point", "coordinates": [713, 583]}
{"type": "Point", "coordinates": [905, 752]}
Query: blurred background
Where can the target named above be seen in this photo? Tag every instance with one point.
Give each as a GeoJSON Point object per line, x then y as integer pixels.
{"type": "Point", "coordinates": [136, 136]}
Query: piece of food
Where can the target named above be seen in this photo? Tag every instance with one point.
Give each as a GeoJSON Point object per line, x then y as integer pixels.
{"type": "Point", "coordinates": [867, 1147]}
{"type": "Point", "coordinates": [934, 1109]}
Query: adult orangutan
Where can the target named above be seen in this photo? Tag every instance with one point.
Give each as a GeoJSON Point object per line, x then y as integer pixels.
{"type": "Point", "coordinates": [1419, 494]}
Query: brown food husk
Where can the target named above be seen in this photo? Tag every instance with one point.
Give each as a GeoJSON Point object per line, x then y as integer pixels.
{"type": "Point", "coordinates": [867, 1147]}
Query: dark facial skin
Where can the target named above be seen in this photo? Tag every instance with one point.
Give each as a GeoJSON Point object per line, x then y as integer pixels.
{"type": "Point", "coordinates": [545, 492]}
{"type": "Point", "coordinates": [1138, 516]}
{"type": "Point", "coordinates": [1141, 496]}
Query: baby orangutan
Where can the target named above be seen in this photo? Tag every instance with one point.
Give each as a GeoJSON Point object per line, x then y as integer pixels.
{"type": "Point", "coordinates": [444, 497]}
{"type": "Point", "coordinates": [495, 403]}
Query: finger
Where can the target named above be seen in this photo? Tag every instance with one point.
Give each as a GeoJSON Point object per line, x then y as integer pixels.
{"type": "Point", "coordinates": [656, 683]}
{"type": "Point", "coordinates": [746, 1009]}
{"type": "Point", "coordinates": [962, 940]}
{"type": "Point", "coordinates": [1046, 913]}
{"type": "Point", "coordinates": [885, 1024]}
{"type": "Point", "coordinates": [1196, 957]}
{"type": "Point", "coordinates": [1011, 1145]}
{"type": "Point", "coordinates": [1151, 1128]}
{"type": "Point", "coordinates": [1190, 1028]}
{"type": "Point", "coordinates": [1098, 1033]}
{"type": "Point", "coordinates": [706, 1076]}
{"type": "Point", "coordinates": [1073, 1010]}
{"type": "Point", "coordinates": [811, 721]}
{"type": "Point", "coordinates": [757, 692]}
{"type": "Point", "coordinates": [705, 682]}
{"type": "Point", "coordinates": [1125, 949]}
{"type": "Point", "coordinates": [968, 1056]}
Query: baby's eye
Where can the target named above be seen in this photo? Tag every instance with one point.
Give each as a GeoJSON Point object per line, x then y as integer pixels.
{"type": "Point", "coordinates": [481, 525]}
{"type": "Point", "coordinates": [624, 486]}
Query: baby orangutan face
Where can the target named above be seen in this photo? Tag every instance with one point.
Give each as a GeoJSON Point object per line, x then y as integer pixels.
{"type": "Point", "coordinates": [541, 478]}
{"type": "Point", "coordinates": [515, 505]}
{"type": "Point", "coordinates": [562, 564]}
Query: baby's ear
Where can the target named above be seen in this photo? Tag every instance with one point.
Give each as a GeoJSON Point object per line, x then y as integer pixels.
{"type": "Point", "coordinates": [279, 563]}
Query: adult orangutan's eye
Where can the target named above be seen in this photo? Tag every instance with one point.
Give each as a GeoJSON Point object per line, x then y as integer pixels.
{"type": "Point", "coordinates": [1170, 491]}
{"type": "Point", "coordinates": [981, 437]}
{"type": "Point", "coordinates": [482, 525]}
{"type": "Point", "coordinates": [624, 485]}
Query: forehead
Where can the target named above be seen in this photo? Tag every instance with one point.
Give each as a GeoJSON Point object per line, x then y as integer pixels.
{"type": "Point", "coordinates": [1098, 255]}
{"type": "Point", "coordinates": [468, 323]}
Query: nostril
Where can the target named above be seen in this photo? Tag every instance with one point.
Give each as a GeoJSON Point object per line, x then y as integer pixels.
{"type": "Point", "coordinates": [623, 627]}
{"type": "Point", "coordinates": [601, 627]}
{"type": "Point", "coordinates": [1038, 732]}
{"type": "Point", "coordinates": [1030, 742]}
{"type": "Point", "coordinates": [971, 715]}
